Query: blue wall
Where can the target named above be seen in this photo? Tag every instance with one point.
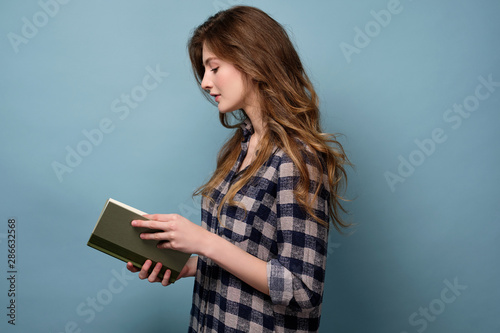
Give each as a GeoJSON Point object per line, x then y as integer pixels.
{"type": "Point", "coordinates": [98, 101]}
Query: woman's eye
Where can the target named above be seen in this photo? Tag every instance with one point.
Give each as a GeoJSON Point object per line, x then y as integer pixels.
{"type": "Point", "coordinates": [215, 69]}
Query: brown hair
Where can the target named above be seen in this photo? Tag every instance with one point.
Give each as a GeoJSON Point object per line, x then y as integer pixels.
{"type": "Point", "coordinates": [260, 48]}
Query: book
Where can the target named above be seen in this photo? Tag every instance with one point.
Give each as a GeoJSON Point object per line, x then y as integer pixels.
{"type": "Point", "coordinates": [114, 235]}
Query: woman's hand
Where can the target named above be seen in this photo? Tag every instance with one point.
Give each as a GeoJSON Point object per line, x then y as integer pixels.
{"type": "Point", "coordinates": [178, 233]}
{"type": "Point", "coordinates": [188, 270]}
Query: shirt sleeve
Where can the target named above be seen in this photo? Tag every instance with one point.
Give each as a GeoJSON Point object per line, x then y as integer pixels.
{"type": "Point", "coordinates": [296, 275]}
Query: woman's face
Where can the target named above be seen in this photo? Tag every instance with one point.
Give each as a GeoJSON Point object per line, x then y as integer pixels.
{"type": "Point", "coordinates": [224, 82]}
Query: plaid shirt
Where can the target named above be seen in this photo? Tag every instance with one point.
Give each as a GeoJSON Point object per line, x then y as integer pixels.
{"type": "Point", "coordinates": [275, 229]}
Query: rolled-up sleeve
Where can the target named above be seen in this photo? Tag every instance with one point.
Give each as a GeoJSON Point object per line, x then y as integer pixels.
{"type": "Point", "coordinates": [296, 275]}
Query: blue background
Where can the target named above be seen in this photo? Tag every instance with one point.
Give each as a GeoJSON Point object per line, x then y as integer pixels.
{"type": "Point", "coordinates": [432, 225]}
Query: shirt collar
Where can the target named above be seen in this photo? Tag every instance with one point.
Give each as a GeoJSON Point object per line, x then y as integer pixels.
{"type": "Point", "coordinates": [247, 128]}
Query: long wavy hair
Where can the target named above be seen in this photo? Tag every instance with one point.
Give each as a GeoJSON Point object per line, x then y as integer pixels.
{"type": "Point", "coordinates": [259, 47]}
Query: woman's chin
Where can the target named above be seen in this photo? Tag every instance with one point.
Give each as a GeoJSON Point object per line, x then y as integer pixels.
{"type": "Point", "coordinates": [226, 110]}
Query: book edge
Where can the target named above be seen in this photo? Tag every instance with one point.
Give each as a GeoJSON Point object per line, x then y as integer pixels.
{"type": "Point", "coordinates": [118, 203]}
{"type": "Point", "coordinates": [174, 273]}
{"type": "Point", "coordinates": [132, 209]}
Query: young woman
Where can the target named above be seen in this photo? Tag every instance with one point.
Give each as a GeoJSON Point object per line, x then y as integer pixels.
{"type": "Point", "coordinates": [262, 244]}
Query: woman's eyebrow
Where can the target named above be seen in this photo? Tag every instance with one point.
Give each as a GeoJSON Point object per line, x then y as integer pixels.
{"type": "Point", "coordinates": [208, 60]}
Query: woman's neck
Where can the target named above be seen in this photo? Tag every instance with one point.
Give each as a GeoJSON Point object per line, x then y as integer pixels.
{"type": "Point", "coordinates": [255, 116]}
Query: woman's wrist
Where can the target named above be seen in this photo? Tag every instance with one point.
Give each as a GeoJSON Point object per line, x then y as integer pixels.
{"type": "Point", "coordinates": [208, 244]}
{"type": "Point", "coordinates": [192, 264]}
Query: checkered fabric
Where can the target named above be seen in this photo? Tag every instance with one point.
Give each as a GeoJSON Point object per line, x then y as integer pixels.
{"type": "Point", "coordinates": [274, 228]}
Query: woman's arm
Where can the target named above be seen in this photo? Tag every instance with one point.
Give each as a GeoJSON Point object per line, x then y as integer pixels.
{"type": "Point", "coordinates": [296, 275]}
{"type": "Point", "coordinates": [183, 235]}
{"type": "Point", "coordinates": [241, 264]}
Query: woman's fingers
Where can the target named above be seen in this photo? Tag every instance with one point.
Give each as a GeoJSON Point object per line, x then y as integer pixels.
{"type": "Point", "coordinates": [159, 236]}
{"type": "Point", "coordinates": [155, 225]}
{"type": "Point", "coordinates": [166, 277]}
{"type": "Point", "coordinates": [161, 217]}
{"type": "Point", "coordinates": [188, 270]}
{"type": "Point", "coordinates": [132, 268]}
{"type": "Point", "coordinates": [144, 273]}
{"type": "Point", "coordinates": [153, 277]}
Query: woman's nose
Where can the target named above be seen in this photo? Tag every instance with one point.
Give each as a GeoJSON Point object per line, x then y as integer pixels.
{"type": "Point", "coordinates": [206, 84]}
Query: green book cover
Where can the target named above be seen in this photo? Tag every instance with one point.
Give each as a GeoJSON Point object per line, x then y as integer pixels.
{"type": "Point", "coordinates": [115, 236]}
